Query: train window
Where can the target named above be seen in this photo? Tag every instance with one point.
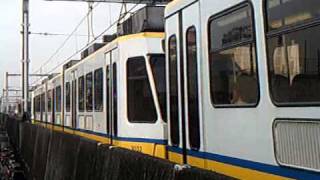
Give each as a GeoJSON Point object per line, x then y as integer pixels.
{"type": "Point", "coordinates": [34, 105]}
{"type": "Point", "coordinates": [89, 92]}
{"type": "Point", "coordinates": [233, 70]}
{"type": "Point", "coordinates": [58, 99]}
{"type": "Point", "coordinates": [173, 91]}
{"type": "Point", "coordinates": [43, 103]}
{"type": "Point", "coordinates": [98, 90]}
{"type": "Point", "coordinates": [281, 13]}
{"type": "Point", "coordinates": [294, 54]}
{"type": "Point", "coordinates": [49, 100]}
{"type": "Point", "coordinates": [68, 97]}
{"type": "Point", "coordinates": [139, 92]}
{"type": "Point", "coordinates": [81, 94]}
{"type": "Point", "coordinates": [115, 98]}
{"type": "Point", "coordinates": [39, 103]}
{"type": "Point", "coordinates": [193, 92]}
{"type": "Point", "coordinates": [157, 63]}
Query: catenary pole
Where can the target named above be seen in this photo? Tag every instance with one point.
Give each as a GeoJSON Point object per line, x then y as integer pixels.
{"type": "Point", "coordinates": [25, 54]}
{"type": "Point", "coordinates": [7, 93]}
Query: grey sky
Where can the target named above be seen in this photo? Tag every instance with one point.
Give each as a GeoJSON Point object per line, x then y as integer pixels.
{"type": "Point", "coordinates": [50, 17]}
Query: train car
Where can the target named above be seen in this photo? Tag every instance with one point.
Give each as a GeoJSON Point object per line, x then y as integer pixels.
{"type": "Point", "coordinates": [116, 93]}
{"type": "Point", "coordinates": [243, 87]}
{"type": "Point", "coordinates": [237, 91]}
{"type": "Point", "coordinates": [133, 77]}
{"type": "Point", "coordinates": [39, 107]}
{"type": "Point", "coordinates": [43, 101]}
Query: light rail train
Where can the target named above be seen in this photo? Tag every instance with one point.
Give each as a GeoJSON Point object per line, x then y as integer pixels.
{"type": "Point", "coordinates": [230, 86]}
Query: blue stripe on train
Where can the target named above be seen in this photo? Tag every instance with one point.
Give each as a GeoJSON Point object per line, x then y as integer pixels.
{"type": "Point", "coordinates": [129, 139]}
{"type": "Point", "coordinates": [277, 170]}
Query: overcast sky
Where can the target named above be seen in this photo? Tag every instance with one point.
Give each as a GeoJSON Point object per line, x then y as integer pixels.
{"type": "Point", "coordinates": [49, 17]}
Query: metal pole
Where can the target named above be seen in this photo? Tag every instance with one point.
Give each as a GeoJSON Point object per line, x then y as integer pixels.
{"type": "Point", "coordinates": [7, 94]}
{"type": "Point", "coordinates": [25, 53]}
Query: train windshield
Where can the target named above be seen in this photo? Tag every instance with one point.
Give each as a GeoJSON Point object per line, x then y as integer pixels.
{"type": "Point", "coordinates": [294, 51]}
{"type": "Point", "coordinates": [157, 62]}
{"type": "Point", "coordinates": [141, 107]}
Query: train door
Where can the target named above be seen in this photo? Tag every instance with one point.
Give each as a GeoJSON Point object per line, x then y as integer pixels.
{"type": "Point", "coordinates": [45, 101]}
{"type": "Point", "coordinates": [53, 105]}
{"type": "Point", "coordinates": [190, 33]}
{"type": "Point", "coordinates": [184, 105]}
{"type": "Point", "coordinates": [40, 107]}
{"type": "Point", "coordinates": [49, 106]}
{"type": "Point", "coordinates": [108, 100]}
{"type": "Point", "coordinates": [74, 103]}
{"type": "Point", "coordinates": [111, 92]}
{"type": "Point", "coordinates": [43, 107]}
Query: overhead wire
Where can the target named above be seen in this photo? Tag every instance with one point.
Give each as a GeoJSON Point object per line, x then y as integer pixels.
{"type": "Point", "coordinates": [102, 33]}
{"type": "Point", "coordinates": [91, 42]}
{"type": "Point", "coordinates": [55, 34]}
{"type": "Point", "coordinates": [65, 41]}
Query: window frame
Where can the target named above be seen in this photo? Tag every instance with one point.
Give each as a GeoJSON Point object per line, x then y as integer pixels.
{"type": "Point", "coordinates": [95, 90]}
{"type": "Point", "coordinates": [150, 86]}
{"type": "Point", "coordinates": [285, 30]}
{"type": "Point", "coordinates": [68, 99]}
{"type": "Point", "coordinates": [188, 30]}
{"type": "Point", "coordinates": [49, 101]}
{"type": "Point", "coordinates": [83, 93]}
{"type": "Point", "coordinates": [86, 92]}
{"type": "Point", "coordinates": [58, 99]}
{"type": "Point", "coordinates": [175, 141]}
{"type": "Point", "coordinates": [34, 107]}
{"type": "Point", "coordinates": [149, 57]}
{"type": "Point", "coordinates": [37, 104]}
{"type": "Point", "coordinates": [254, 44]}
{"type": "Point", "coordinates": [115, 98]}
{"type": "Point", "coordinates": [43, 104]}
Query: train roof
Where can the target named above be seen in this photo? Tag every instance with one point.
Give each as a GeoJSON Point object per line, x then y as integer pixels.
{"type": "Point", "coordinates": [176, 5]}
{"type": "Point", "coordinates": [108, 46]}
{"type": "Point", "coordinates": [124, 38]}
{"type": "Point", "coordinates": [114, 44]}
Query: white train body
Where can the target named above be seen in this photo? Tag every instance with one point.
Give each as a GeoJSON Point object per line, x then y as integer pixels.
{"type": "Point", "coordinates": [256, 138]}
{"type": "Point", "coordinates": [241, 95]}
{"type": "Point", "coordinates": [88, 84]}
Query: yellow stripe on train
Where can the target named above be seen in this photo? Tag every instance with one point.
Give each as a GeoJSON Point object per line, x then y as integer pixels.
{"type": "Point", "coordinates": [153, 149]}
{"type": "Point", "coordinates": [222, 168]}
{"type": "Point", "coordinates": [157, 150]}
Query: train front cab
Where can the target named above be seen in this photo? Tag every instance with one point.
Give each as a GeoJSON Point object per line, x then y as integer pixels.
{"type": "Point", "coordinates": [135, 80]}
{"type": "Point", "coordinates": [258, 84]}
